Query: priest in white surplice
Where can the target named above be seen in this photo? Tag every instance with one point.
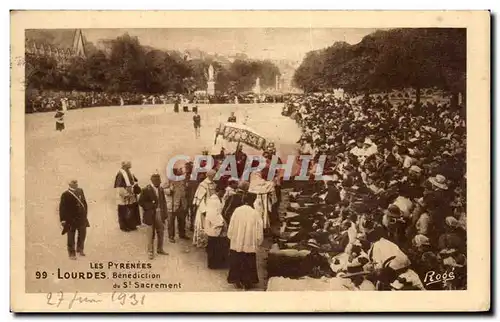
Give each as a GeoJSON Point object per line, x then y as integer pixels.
{"type": "Point", "coordinates": [245, 233]}
{"type": "Point", "coordinates": [205, 190]}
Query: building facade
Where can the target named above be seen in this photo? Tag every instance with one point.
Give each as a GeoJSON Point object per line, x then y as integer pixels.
{"type": "Point", "coordinates": [61, 44]}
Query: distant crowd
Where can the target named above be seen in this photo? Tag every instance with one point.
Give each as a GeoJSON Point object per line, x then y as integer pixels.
{"type": "Point", "coordinates": [46, 101]}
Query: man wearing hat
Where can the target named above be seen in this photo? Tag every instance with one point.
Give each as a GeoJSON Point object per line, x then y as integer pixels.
{"type": "Point", "coordinates": [454, 236]}
{"type": "Point", "coordinates": [356, 274]}
{"type": "Point", "coordinates": [154, 204]}
{"type": "Point", "coordinates": [73, 217]}
{"type": "Point", "coordinates": [394, 222]}
{"type": "Point", "coordinates": [438, 182]}
{"type": "Point", "coordinates": [437, 189]}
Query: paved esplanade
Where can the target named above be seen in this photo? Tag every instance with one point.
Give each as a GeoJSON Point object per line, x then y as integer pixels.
{"type": "Point", "coordinates": [91, 149]}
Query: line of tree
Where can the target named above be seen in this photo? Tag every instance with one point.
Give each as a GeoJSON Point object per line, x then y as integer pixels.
{"type": "Point", "coordinates": [130, 67]}
{"type": "Point", "coordinates": [393, 59]}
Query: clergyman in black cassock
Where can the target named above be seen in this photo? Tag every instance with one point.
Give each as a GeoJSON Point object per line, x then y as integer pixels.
{"type": "Point", "coordinates": [127, 189]}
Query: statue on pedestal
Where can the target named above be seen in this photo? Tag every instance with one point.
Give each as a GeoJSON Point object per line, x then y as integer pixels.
{"type": "Point", "coordinates": [210, 73]}
{"type": "Point", "coordinates": [211, 81]}
{"type": "Point", "coordinates": [256, 89]}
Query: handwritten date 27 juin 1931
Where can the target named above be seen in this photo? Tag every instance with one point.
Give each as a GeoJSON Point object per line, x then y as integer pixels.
{"type": "Point", "coordinates": [61, 299]}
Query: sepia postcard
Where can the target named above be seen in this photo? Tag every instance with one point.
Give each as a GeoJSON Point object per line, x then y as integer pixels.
{"type": "Point", "coordinates": [250, 161]}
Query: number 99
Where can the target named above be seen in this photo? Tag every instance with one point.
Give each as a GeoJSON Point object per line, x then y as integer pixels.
{"type": "Point", "coordinates": [40, 275]}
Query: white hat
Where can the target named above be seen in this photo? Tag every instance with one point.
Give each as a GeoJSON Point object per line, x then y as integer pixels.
{"type": "Point", "coordinates": [415, 169]}
{"type": "Point", "coordinates": [398, 262]}
{"type": "Point", "coordinates": [421, 240]}
{"type": "Point", "coordinates": [450, 261]}
{"type": "Point", "coordinates": [439, 181]}
{"type": "Point", "coordinates": [397, 285]}
{"type": "Point", "coordinates": [313, 243]}
{"type": "Point", "coordinates": [451, 222]}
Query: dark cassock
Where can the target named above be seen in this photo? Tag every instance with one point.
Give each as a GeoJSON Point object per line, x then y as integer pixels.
{"type": "Point", "coordinates": [231, 119]}
{"type": "Point", "coordinates": [234, 201]}
{"type": "Point", "coordinates": [128, 208]}
{"type": "Point", "coordinates": [73, 217]}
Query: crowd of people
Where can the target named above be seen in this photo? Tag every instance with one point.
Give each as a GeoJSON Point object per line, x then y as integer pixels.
{"type": "Point", "coordinates": [47, 101]}
{"type": "Point", "coordinates": [391, 211]}
{"type": "Point", "coordinates": [226, 216]}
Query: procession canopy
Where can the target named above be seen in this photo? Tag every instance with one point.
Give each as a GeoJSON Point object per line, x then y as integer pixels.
{"type": "Point", "coordinates": [235, 132]}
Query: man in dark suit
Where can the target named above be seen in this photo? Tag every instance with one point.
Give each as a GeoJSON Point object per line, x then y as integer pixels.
{"type": "Point", "coordinates": [177, 206]}
{"type": "Point", "coordinates": [154, 204]}
{"type": "Point", "coordinates": [196, 124]}
{"type": "Point", "coordinates": [73, 217]}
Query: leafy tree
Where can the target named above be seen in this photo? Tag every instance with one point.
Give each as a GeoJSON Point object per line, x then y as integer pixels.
{"type": "Point", "coordinates": [40, 72]}
{"type": "Point", "coordinates": [97, 72]}
{"type": "Point", "coordinates": [399, 58]}
{"type": "Point", "coordinates": [127, 66]}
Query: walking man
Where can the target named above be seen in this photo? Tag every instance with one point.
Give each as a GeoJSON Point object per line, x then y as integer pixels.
{"type": "Point", "coordinates": [73, 217]}
{"type": "Point", "coordinates": [196, 124]}
{"type": "Point", "coordinates": [153, 202]}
